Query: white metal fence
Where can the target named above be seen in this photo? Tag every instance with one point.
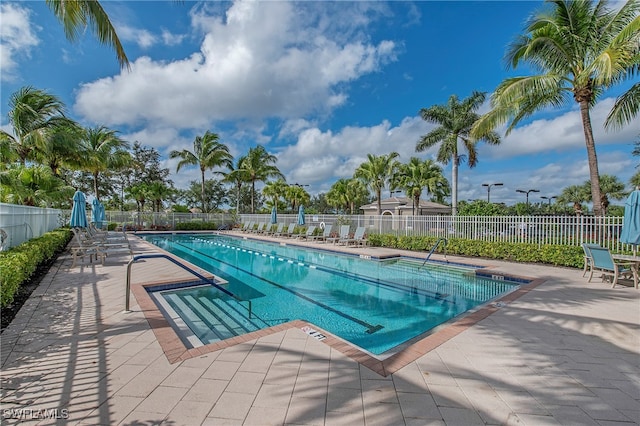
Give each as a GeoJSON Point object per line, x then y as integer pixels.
{"type": "Point", "coordinates": [561, 230]}
{"type": "Point", "coordinates": [21, 223]}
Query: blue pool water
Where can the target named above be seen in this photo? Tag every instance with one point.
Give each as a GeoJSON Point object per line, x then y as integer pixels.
{"type": "Point", "coordinates": [376, 305]}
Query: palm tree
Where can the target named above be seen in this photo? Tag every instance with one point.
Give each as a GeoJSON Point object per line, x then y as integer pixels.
{"type": "Point", "coordinates": [417, 176]}
{"type": "Point", "coordinates": [297, 195]}
{"type": "Point", "coordinates": [275, 190]}
{"type": "Point", "coordinates": [625, 108]}
{"type": "Point", "coordinates": [33, 186]}
{"type": "Point", "coordinates": [76, 15]}
{"type": "Point", "coordinates": [102, 150]}
{"type": "Point", "coordinates": [580, 49]}
{"type": "Point", "coordinates": [158, 192]}
{"type": "Point", "coordinates": [208, 152]}
{"type": "Point", "coordinates": [237, 177]}
{"type": "Point", "coordinates": [576, 194]}
{"type": "Point", "coordinates": [376, 172]}
{"type": "Point", "coordinates": [258, 166]}
{"type": "Point", "coordinates": [455, 120]}
{"type": "Point", "coordinates": [60, 147]}
{"type": "Point", "coordinates": [610, 188]}
{"type": "Point", "coordinates": [33, 114]}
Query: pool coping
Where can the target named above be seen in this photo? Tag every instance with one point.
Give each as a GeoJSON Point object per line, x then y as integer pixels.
{"type": "Point", "coordinates": [176, 351]}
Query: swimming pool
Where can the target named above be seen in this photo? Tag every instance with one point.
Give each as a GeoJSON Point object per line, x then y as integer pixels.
{"type": "Point", "coordinates": [378, 305]}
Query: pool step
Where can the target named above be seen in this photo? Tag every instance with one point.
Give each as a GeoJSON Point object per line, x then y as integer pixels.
{"type": "Point", "coordinates": [215, 319]}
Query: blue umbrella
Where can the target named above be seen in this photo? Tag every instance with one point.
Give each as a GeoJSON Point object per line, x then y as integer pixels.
{"type": "Point", "coordinates": [631, 223]}
{"type": "Point", "coordinates": [97, 213]}
{"type": "Point", "coordinates": [301, 215]}
{"type": "Point", "coordinates": [79, 211]}
{"type": "Point", "coordinates": [274, 215]}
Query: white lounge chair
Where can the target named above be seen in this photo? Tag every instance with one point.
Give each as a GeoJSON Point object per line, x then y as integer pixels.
{"type": "Point", "coordinates": [344, 233]}
{"type": "Point", "coordinates": [357, 239]}
{"type": "Point", "coordinates": [326, 233]}
{"type": "Point", "coordinates": [310, 231]}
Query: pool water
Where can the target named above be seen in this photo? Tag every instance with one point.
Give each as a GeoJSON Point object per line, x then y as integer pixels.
{"type": "Point", "coordinates": [376, 305]}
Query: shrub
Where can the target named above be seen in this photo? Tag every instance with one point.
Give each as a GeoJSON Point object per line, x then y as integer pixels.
{"type": "Point", "coordinates": [196, 226]}
{"type": "Point", "coordinates": [558, 255]}
{"type": "Point", "coordinates": [19, 263]}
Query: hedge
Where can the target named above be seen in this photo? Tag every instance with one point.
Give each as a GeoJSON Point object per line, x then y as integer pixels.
{"type": "Point", "coordinates": [559, 255]}
{"type": "Point", "coordinates": [19, 263]}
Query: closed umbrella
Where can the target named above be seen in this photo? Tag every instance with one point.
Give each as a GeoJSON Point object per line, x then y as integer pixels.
{"type": "Point", "coordinates": [79, 211]}
{"type": "Point", "coordinates": [274, 215]}
{"type": "Point", "coordinates": [631, 222]}
{"type": "Point", "coordinates": [301, 215]}
{"type": "Point", "coordinates": [97, 213]}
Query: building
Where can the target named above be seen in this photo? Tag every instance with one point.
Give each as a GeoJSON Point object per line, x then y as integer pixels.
{"type": "Point", "coordinates": [403, 206]}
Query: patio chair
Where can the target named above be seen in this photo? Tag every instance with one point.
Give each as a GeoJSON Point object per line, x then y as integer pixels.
{"type": "Point", "coordinates": [358, 237]}
{"type": "Point", "coordinates": [288, 232]}
{"type": "Point", "coordinates": [109, 236]}
{"type": "Point", "coordinates": [85, 245]}
{"type": "Point", "coordinates": [587, 257]}
{"type": "Point", "coordinates": [326, 233]}
{"type": "Point", "coordinates": [249, 227]}
{"type": "Point", "coordinates": [245, 226]}
{"type": "Point", "coordinates": [277, 230]}
{"type": "Point", "coordinates": [259, 228]}
{"type": "Point", "coordinates": [602, 261]}
{"type": "Point", "coordinates": [344, 233]}
{"type": "Point", "coordinates": [310, 231]}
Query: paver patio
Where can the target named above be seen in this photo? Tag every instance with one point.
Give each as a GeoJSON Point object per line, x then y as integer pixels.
{"type": "Point", "coordinates": [566, 352]}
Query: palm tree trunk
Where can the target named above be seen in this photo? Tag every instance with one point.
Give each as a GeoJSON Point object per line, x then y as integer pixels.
{"type": "Point", "coordinates": [454, 185]}
{"type": "Point", "coordinates": [202, 171]}
{"type": "Point", "coordinates": [253, 193]}
{"type": "Point", "coordinates": [379, 194]}
{"type": "Point", "coordinates": [95, 184]}
{"type": "Point", "coordinates": [416, 203]}
{"type": "Point", "coordinates": [594, 175]}
{"type": "Point", "coordinates": [238, 200]}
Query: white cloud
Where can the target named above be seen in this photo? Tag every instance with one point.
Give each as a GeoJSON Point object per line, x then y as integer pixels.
{"type": "Point", "coordinates": [170, 39]}
{"type": "Point", "coordinates": [17, 38]}
{"type": "Point", "coordinates": [141, 37]}
{"type": "Point", "coordinates": [260, 61]}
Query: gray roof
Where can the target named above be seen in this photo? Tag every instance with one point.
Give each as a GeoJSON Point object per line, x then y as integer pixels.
{"type": "Point", "coordinates": [405, 203]}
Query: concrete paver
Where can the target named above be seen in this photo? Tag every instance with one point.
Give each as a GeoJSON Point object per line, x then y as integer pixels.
{"type": "Point", "coordinates": [566, 352]}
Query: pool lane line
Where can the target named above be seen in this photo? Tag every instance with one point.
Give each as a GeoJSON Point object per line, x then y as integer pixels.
{"type": "Point", "coordinates": [370, 328]}
{"type": "Point", "coordinates": [393, 285]}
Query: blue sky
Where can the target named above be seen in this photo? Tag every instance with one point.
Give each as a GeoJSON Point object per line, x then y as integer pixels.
{"type": "Point", "coordinates": [319, 84]}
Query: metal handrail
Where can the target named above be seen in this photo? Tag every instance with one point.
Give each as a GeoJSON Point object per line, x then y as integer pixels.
{"type": "Point", "coordinates": [435, 247]}
{"type": "Point", "coordinates": [175, 262]}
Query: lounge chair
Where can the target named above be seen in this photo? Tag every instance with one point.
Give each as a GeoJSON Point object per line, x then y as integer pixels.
{"type": "Point", "coordinates": [326, 233]}
{"type": "Point", "coordinates": [344, 233]}
{"type": "Point", "coordinates": [85, 245]}
{"type": "Point", "coordinates": [602, 261]}
{"type": "Point", "coordinates": [259, 228]}
{"type": "Point", "coordinates": [109, 236]}
{"type": "Point", "coordinates": [310, 231]}
{"type": "Point", "coordinates": [288, 232]}
{"type": "Point", "coordinates": [358, 238]}
{"type": "Point", "coordinates": [587, 257]}
{"type": "Point", "coordinates": [278, 229]}
{"type": "Point", "coordinates": [245, 226]}
{"type": "Point", "coordinates": [249, 227]}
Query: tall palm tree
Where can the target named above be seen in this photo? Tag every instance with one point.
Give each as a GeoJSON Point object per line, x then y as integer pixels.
{"type": "Point", "coordinates": [258, 166]}
{"type": "Point", "coordinates": [417, 176]}
{"type": "Point", "coordinates": [33, 114]}
{"type": "Point", "coordinates": [580, 48]}
{"type": "Point", "coordinates": [455, 120]}
{"type": "Point", "coordinates": [102, 150]}
{"type": "Point", "coordinates": [33, 186]}
{"type": "Point", "coordinates": [376, 172]}
{"type": "Point", "coordinates": [60, 147]}
{"type": "Point", "coordinates": [208, 153]}
{"type": "Point", "coordinates": [77, 15]}
{"type": "Point", "coordinates": [236, 176]}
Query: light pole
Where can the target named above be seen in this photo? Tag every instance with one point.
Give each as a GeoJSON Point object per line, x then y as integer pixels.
{"type": "Point", "coordinates": [489, 185]}
{"type": "Point", "coordinates": [522, 191]}
{"type": "Point", "coordinates": [548, 199]}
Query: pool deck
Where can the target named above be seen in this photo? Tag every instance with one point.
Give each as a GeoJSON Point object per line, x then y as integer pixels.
{"type": "Point", "coordinates": [562, 351]}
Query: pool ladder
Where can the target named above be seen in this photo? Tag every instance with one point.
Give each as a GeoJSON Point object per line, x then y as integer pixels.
{"type": "Point", "coordinates": [440, 240]}
{"type": "Point", "coordinates": [175, 262]}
